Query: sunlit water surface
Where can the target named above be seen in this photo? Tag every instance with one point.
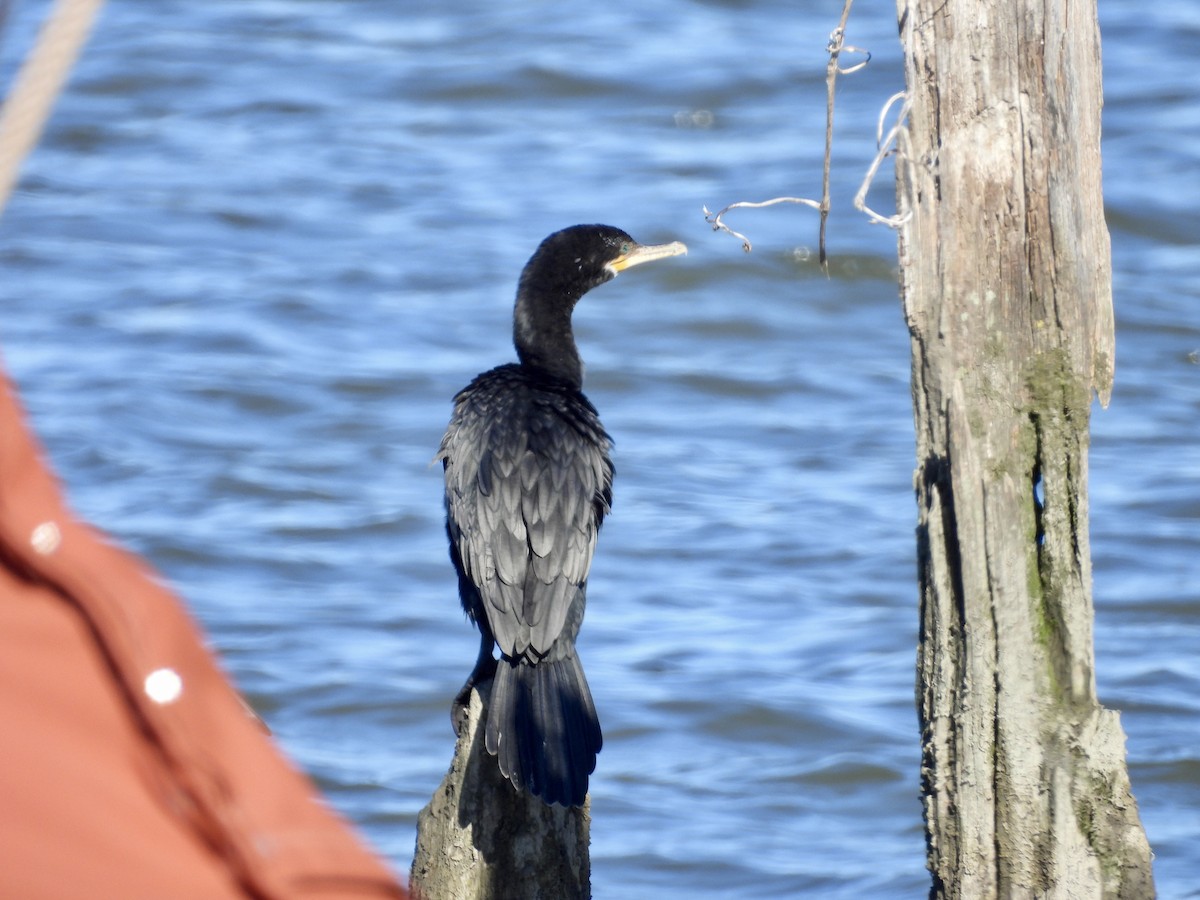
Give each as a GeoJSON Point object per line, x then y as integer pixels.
{"type": "Point", "coordinates": [264, 242]}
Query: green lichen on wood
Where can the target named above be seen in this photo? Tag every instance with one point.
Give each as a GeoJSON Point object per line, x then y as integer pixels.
{"type": "Point", "coordinates": [1057, 405]}
{"type": "Point", "coordinates": [1092, 806]}
{"type": "Point", "coordinates": [1054, 388]}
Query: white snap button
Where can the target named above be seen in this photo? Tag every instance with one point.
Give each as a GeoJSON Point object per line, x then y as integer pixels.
{"type": "Point", "coordinates": [163, 686]}
{"type": "Point", "coordinates": [46, 538]}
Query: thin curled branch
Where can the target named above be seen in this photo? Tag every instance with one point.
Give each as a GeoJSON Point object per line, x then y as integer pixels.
{"type": "Point", "coordinates": [714, 219]}
{"type": "Point", "coordinates": [836, 47]}
{"type": "Point", "coordinates": [884, 149]}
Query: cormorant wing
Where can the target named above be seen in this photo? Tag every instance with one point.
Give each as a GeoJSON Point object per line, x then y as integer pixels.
{"type": "Point", "coordinates": [528, 482]}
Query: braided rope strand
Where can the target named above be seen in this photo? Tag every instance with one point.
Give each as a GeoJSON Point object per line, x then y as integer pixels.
{"type": "Point", "coordinates": [39, 83]}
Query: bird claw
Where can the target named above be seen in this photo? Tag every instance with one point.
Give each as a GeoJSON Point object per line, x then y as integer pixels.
{"type": "Point", "coordinates": [460, 709]}
{"type": "Point", "coordinates": [485, 670]}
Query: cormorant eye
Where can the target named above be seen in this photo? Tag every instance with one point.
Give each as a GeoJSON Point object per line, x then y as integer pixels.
{"type": "Point", "coordinates": [625, 247]}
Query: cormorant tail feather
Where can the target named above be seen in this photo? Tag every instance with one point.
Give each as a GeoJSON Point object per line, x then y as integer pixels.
{"type": "Point", "coordinates": [543, 729]}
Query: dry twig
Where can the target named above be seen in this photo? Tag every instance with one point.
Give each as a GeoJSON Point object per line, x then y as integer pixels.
{"type": "Point", "coordinates": [884, 145]}
{"type": "Point", "coordinates": [832, 69]}
{"type": "Point", "coordinates": [714, 219]}
{"type": "Point", "coordinates": [836, 47]}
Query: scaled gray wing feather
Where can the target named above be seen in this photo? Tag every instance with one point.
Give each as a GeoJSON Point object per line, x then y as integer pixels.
{"type": "Point", "coordinates": [528, 483]}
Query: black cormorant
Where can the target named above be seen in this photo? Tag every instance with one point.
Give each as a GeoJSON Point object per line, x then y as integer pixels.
{"type": "Point", "coordinates": [528, 482]}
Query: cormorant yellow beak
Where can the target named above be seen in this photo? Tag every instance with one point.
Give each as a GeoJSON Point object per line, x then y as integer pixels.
{"type": "Point", "coordinates": [644, 253]}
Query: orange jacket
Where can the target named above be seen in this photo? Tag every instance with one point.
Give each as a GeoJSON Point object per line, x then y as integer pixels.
{"type": "Point", "coordinates": [129, 766]}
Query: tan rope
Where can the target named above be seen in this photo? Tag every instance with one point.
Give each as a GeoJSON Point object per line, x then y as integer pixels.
{"type": "Point", "coordinates": [39, 82]}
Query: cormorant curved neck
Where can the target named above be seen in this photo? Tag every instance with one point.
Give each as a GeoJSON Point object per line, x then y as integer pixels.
{"type": "Point", "coordinates": [542, 332]}
{"type": "Point", "coordinates": [567, 265]}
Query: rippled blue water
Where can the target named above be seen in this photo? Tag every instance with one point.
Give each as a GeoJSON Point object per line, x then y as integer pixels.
{"type": "Point", "coordinates": [264, 242]}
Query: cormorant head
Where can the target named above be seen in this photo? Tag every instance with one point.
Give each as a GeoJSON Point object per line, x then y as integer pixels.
{"type": "Point", "coordinates": [571, 262]}
{"type": "Point", "coordinates": [564, 267]}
